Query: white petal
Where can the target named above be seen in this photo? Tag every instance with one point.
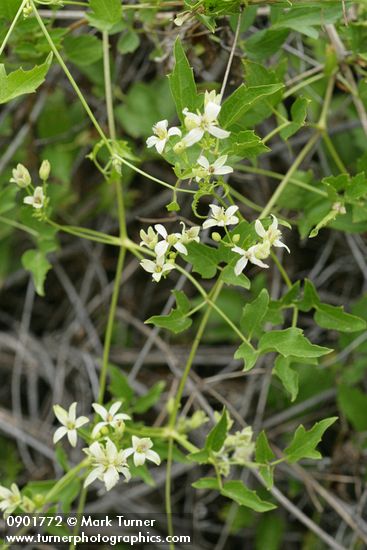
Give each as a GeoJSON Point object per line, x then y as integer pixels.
{"type": "Point", "coordinates": [232, 220]}
{"type": "Point", "coordinates": [220, 161]}
{"type": "Point", "coordinates": [160, 145]}
{"type": "Point", "coordinates": [97, 428]}
{"type": "Point", "coordinates": [212, 111]}
{"type": "Point", "coordinates": [174, 131]}
{"type": "Point", "coordinates": [128, 452]}
{"type": "Point", "coordinates": [238, 250]}
{"type": "Point", "coordinates": [209, 223]}
{"type": "Point", "coordinates": [60, 432]}
{"type": "Point", "coordinates": [161, 230]}
{"type": "Point", "coordinates": [223, 170]}
{"type": "Point", "coordinates": [148, 265]}
{"type": "Point", "coordinates": [157, 277]}
{"type": "Point", "coordinates": [216, 210]}
{"type": "Point", "coordinates": [218, 132]}
{"type": "Point", "coordinates": [193, 137]}
{"type": "Point", "coordinates": [122, 416]}
{"type": "Point", "coordinates": [258, 262]}
{"type": "Point", "coordinates": [114, 408]}
{"type": "Point", "coordinates": [72, 412]}
{"type": "Point", "coordinates": [161, 248]}
{"type": "Point", "coordinates": [181, 248]}
{"type": "Point", "coordinates": [103, 413]}
{"type": "Point", "coordinates": [94, 474]}
{"type": "Point", "coordinates": [28, 200]}
{"type": "Point", "coordinates": [161, 125]}
{"type": "Point", "coordinates": [80, 421]}
{"type": "Point", "coordinates": [259, 228]}
{"type": "Point", "coordinates": [231, 210]}
{"type": "Point", "coordinates": [151, 141]}
{"type": "Point", "coordinates": [125, 472]}
{"type": "Point", "coordinates": [274, 224]}
{"type": "Point", "coordinates": [111, 450]}
{"type": "Point", "coordinates": [72, 437]}
{"type": "Point", "coordinates": [139, 459]}
{"type": "Point", "coordinates": [153, 457]}
{"type": "Point", "coordinates": [61, 414]}
{"type": "Point", "coordinates": [240, 265]}
{"type": "Point", "coordinates": [279, 244]}
{"type": "Point", "coordinates": [97, 451]}
{"type": "Point", "coordinates": [203, 161]}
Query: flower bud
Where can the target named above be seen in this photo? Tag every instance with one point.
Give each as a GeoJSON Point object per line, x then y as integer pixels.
{"type": "Point", "coordinates": [236, 238]}
{"type": "Point", "coordinates": [216, 237]}
{"type": "Point", "coordinates": [179, 147]}
{"type": "Point", "coordinates": [21, 176]}
{"type": "Point", "coordinates": [45, 169]}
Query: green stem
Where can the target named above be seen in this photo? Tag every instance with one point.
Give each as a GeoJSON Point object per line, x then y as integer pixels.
{"type": "Point", "coordinates": [11, 28]}
{"type": "Point", "coordinates": [64, 481]}
{"type": "Point", "coordinates": [275, 131]}
{"type": "Point", "coordinates": [108, 85]}
{"type": "Point", "coordinates": [88, 234]}
{"type": "Point", "coordinates": [279, 190]}
{"type": "Point", "coordinates": [176, 405]}
{"type": "Point", "coordinates": [334, 153]}
{"type": "Point", "coordinates": [302, 84]}
{"type": "Point", "coordinates": [18, 225]}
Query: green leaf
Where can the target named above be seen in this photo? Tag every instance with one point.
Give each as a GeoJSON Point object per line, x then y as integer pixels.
{"type": "Point", "coordinates": [147, 401]}
{"type": "Point", "coordinates": [290, 342]}
{"type": "Point", "coordinates": [245, 144]}
{"type": "Point", "coordinates": [304, 443]}
{"type": "Point", "coordinates": [335, 318]}
{"type": "Point", "coordinates": [176, 321]}
{"type": "Point", "coordinates": [182, 82]}
{"type": "Point", "coordinates": [353, 403]}
{"type": "Point", "coordinates": [241, 101]}
{"type": "Point", "coordinates": [21, 82]}
{"type": "Point", "coordinates": [215, 438]}
{"type": "Point", "coordinates": [36, 262]}
{"type": "Point", "coordinates": [264, 43]}
{"type": "Point", "coordinates": [9, 8]}
{"type": "Point", "coordinates": [203, 258]}
{"type": "Point", "coordinates": [238, 492]}
{"type": "Point", "coordinates": [128, 42]}
{"type": "Point", "coordinates": [206, 483]}
{"type": "Point", "coordinates": [287, 375]}
{"type": "Point", "coordinates": [229, 277]}
{"type": "Point", "coordinates": [105, 14]}
{"type": "Point", "coordinates": [248, 354]}
{"type": "Point", "coordinates": [298, 113]}
{"type": "Point", "coordinates": [83, 50]}
{"type": "Point", "coordinates": [254, 313]}
{"type": "Point", "coordinates": [264, 455]}
{"type": "Point", "coordinates": [119, 386]}
{"type": "Point", "coordinates": [310, 297]}
{"type": "Point", "coordinates": [201, 457]}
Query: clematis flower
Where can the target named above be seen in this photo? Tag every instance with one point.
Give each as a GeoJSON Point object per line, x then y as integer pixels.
{"type": "Point", "coordinates": [191, 234]}
{"type": "Point", "coordinates": [21, 176]}
{"type": "Point", "coordinates": [70, 423]}
{"type": "Point", "coordinates": [198, 124]}
{"type": "Point", "coordinates": [254, 255]}
{"type": "Point", "coordinates": [109, 417]}
{"type": "Point", "coordinates": [149, 238]}
{"type": "Point", "coordinates": [107, 463]}
{"type": "Point", "coordinates": [141, 449]}
{"type": "Point", "coordinates": [173, 240]}
{"type": "Point", "coordinates": [218, 167]}
{"type": "Point", "coordinates": [10, 499]}
{"type": "Point", "coordinates": [37, 200]}
{"type": "Point", "coordinates": [272, 234]}
{"type": "Point", "coordinates": [162, 134]}
{"type": "Point", "coordinates": [159, 268]}
{"type": "Point", "coordinates": [212, 97]}
{"type": "Point", "coordinates": [221, 217]}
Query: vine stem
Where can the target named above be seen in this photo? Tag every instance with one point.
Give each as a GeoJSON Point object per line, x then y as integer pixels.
{"type": "Point", "coordinates": [11, 28]}
{"type": "Point", "coordinates": [176, 405]}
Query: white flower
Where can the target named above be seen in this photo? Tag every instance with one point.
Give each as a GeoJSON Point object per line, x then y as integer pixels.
{"type": "Point", "coordinates": [272, 234]}
{"type": "Point", "coordinates": [148, 238]}
{"type": "Point", "coordinates": [158, 268]}
{"type": "Point", "coordinates": [110, 418]}
{"type": "Point", "coordinates": [221, 217]}
{"type": "Point", "coordinates": [198, 124]}
{"type": "Point", "coordinates": [36, 200]}
{"type": "Point", "coordinates": [141, 449]}
{"type": "Point", "coordinates": [10, 499]}
{"type": "Point", "coordinates": [218, 167]}
{"type": "Point", "coordinates": [212, 97]}
{"type": "Point", "coordinates": [161, 136]}
{"type": "Point", "coordinates": [70, 423]}
{"type": "Point", "coordinates": [21, 176]}
{"type": "Point", "coordinates": [168, 240]}
{"type": "Point", "coordinates": [254, 255]}
{"type": "Point", "coordinates": [107, 463]}
{"type": "Point", "coordinates": [191, 234]}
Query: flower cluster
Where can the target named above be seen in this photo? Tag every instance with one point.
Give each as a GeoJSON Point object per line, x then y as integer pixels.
{"type": "Point", "coordinates": [11, 499]}
{"type": "Point", "coordinates": [21, 177]}
{"type": "Point", "coordinates": [260, 251]}
{"type": "Point", "coordinates": [106, 460]}
{"type": "Point", "coordinates": [237, 450]}
{"type": "Point", "coordinates": [161, 244]}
